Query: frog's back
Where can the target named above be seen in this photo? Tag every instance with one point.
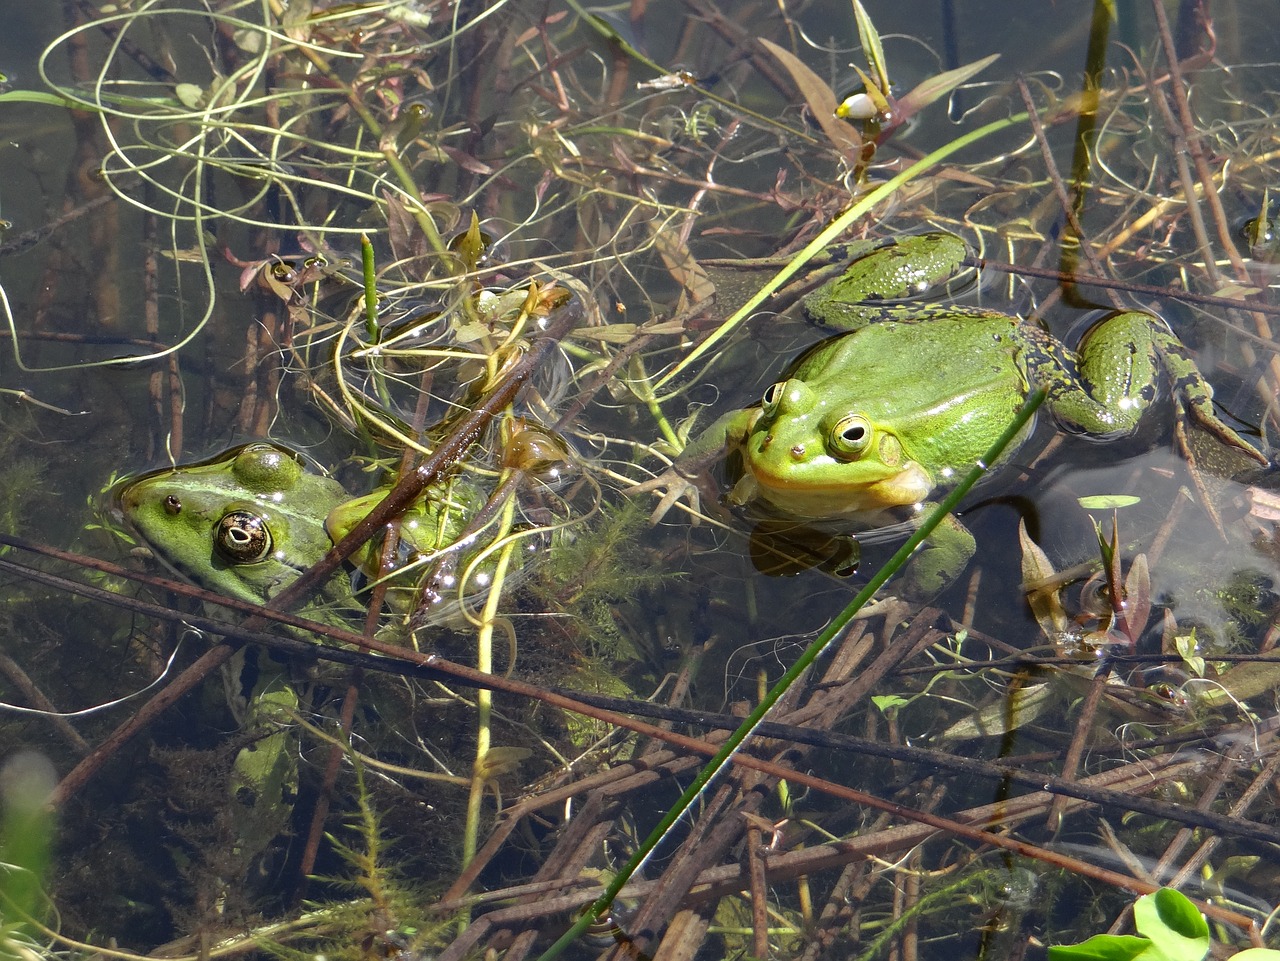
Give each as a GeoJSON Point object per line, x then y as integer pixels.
{"type": "Point", "coordinates": [946, 387]}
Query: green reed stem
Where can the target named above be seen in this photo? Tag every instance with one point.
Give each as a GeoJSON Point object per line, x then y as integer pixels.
{"type": "Point", "coordinates": [371, 320]}
{"type": "Point", "coordinates": [370, 291]}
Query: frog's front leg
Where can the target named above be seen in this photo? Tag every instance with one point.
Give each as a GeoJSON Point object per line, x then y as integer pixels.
{"type": "Point", "coordinates": [264, 776]}
{"type": "Point", "coordinates": [679, 481]}
{"type": "Point", "coordinates": [1107, 386]}
{"type": "Point", "coordinates": [939, 560]}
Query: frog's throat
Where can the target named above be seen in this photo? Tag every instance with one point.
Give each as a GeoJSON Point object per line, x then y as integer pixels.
{"type": "Point", "coordinates": [794, 496]}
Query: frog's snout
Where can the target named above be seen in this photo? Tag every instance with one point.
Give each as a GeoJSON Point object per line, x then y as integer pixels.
{"type": "Point", "coordinates": [126, 498]}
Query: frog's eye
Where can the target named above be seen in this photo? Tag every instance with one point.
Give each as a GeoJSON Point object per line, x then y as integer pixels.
{"type": "Point", "coordinates": [851, 436]}
{"type": "Point", "coordinates": [242, 537]}
{"type": "Point", "coordinates": [771, 397]}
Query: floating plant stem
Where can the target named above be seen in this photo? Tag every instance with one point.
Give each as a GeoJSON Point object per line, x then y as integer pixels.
{"type": "Point", "coordinates": [370, 291]}
{"type": "Point", "coordinates": [484, 698]}
{"type": "Point", "coordinates": [371, 327]}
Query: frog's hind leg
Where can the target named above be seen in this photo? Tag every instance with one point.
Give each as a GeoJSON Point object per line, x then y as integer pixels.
{"type": "Point", "coordinates": [1106, 388]}
{"type": "Point", "coordinates": [1195, 396]}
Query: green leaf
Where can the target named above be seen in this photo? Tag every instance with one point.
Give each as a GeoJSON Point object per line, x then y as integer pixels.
{"type": "Point", "coordinates": [872, 47]}
{"type": "Point", "coordinates": [1022, 706]}
{"type": "Point", "coordinates": [1257, 954]}
{"type": "Point", "coordinates": [1101, 947]}
{"type": "Point", "coordinates": [1176, 928]}
{"type": "Point", "coordinates": [930, 90]}
{"type": "Point", "coordinates": [35, 96]}
{"type": "Point", "coordinates": [1045, 603]}
{"type": "Point", "coordinates": [821, 101]}
{"type": "Point", "coordinates": [1107, 502]}
{"type": "Point", "coordinates": [1186, 646]}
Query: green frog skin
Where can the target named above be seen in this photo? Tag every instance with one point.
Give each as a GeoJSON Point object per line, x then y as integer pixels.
{"type": "Point", "coordinates": [244, 524]}
{"type": "Point", "coordinates": [249, 521]}
{"type": "Point", "coordinates": [909, 397]}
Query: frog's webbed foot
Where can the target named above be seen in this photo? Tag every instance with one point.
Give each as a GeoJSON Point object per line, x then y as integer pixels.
{"type": "Point", "coordinates": [1199, 407]}
{"type": "Point", "coordinates": [1193, 392]}
{"type": "Point", "coordinates": [1214, 455]}
{"type": "Point", "coordinates": [674, 487]}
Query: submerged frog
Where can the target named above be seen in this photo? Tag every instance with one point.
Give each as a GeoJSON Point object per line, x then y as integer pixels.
{"type": "Point", "coordinates": [897, 408]}
{"type": "Point", "coordinates": [246, 524]}
{"type": "Point", "coordinates": [249, 521]}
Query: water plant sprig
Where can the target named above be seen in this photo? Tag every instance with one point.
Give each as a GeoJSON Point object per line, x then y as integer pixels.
{"type": "Point", "coordinates": [1169, 929]}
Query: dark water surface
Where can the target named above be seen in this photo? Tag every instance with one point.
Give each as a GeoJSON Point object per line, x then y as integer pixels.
{"type": "Point", "coordinates": [182, 268]}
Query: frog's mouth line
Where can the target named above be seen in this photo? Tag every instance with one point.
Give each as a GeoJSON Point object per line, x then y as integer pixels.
{"type": "Point", "coordinates": [903, 488]}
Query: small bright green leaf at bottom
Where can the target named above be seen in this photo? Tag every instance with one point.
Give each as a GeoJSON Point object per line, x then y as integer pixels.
{"type": "Point", "coordinates": [1176, 928]}
{"type": "Point", "coordinates": [1101, 947]}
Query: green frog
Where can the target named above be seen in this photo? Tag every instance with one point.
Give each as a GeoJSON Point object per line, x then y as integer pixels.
{"type": "Point", "coordinates": [249, 521]}
{"type": "Point", "coordinates": [246, 524]}
{"type": "Point", "coordinates": [873, 423]}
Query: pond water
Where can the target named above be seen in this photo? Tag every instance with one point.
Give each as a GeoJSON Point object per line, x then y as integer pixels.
{"type": "Point", "coordinates": [182, 264]}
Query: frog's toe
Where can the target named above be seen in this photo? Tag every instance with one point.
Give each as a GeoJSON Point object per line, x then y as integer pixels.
{"type": "Point", "coordinates": [674, 488]}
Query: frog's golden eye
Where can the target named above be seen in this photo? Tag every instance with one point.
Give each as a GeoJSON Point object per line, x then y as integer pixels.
{"type": "Point", "coordinates": [242, 537]}
{"type": "Point", "coordinates": [851, 436]}
{"type": "Point", "coordinates": [284, 271]}
{"type": "Point", "coordinates": [771, 397]}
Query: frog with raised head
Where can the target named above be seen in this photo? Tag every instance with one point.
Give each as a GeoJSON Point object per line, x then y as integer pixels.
{"type": "Point", "coordinates": [876, 421]}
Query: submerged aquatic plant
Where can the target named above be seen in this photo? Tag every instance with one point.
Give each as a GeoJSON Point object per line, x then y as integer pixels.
{"type": "Point", "coordinates": [1169, 929]}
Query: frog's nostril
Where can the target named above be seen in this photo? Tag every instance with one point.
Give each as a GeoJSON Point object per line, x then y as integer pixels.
{"type": "Point", "coordinates": [798, 451]}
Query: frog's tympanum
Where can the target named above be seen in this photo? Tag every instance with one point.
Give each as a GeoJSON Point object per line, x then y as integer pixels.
{"type": "Point", "coordinates": [897, 408]}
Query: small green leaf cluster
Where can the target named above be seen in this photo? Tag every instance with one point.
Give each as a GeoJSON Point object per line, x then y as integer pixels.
{"type": "Point", "coordinates": [1169, 929]}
